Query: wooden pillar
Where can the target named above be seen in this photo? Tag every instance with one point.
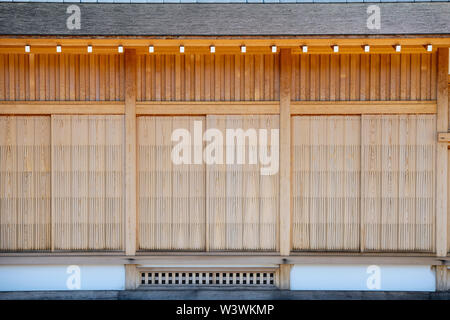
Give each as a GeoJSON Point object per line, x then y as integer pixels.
{"type": "Point", "coordinates": [284, 281]}
{"type": "Point", "coordinates": [285, 152]}
{"type": "Point", "coordinates": [131, 277]}
{"type": "Point", "coordinates": [130, 152]}
{"type": "Point", "coordinates": [441, 153]}
{"type": "Point", "coordinates": [442, 278]}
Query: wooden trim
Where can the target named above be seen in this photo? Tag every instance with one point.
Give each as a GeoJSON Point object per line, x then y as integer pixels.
{"type": "Point", "coordinates": [217, 107]}
{"type": "Point", "coordinates": [441, 153]}
{"type": "Point", "coordinates": [285, 232]}
{"type": "Point", "coordinates": [130, 153]}
{"type": "Point", "coordinates": [209, 269]}
{"type": "Point", "coordinates": [131, 277]}
{"type": "Point", "coordinates": [285, 276]}
{"type": "Point", "coordinates": [213, 259]}
{"type": "Point", "coordinates": [207, 107]}
{"type": "Point", "coordinates": [61, 107]}
{"type": "Point", "coordinates": [221, 48]}
{"type": "Point", "coordinates": [363, 107]}
{"type": "Point", "coordinates": [224, 44]}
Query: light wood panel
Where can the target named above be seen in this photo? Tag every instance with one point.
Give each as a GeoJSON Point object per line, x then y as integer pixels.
{"type": "Point", "coordinates": [331, 77]}
{"type": "Point", "coordinates": [285, 153]}
{"type": "Point", "coordinates": [171, 205]}
{"type": "Point", "coordinates": [130, 154]}
{"type": "Point", "coordinates": [24, 183]}
{"type": "Point", "coordinates": [87, 182]}
{"type": "Point", "coordinates": [362, 107]}
{"type": "Point", "coordinates": [61, 77]}
{"type": "Point", "coordinates": [326, 183]}
{"type": "Point", "coordinates": [242, 204]}
{"type": "Point", "coordinates": [208, 77]}
{"type": "Point", "coordinates": [442, 123]}
{"type": "Point", "coordinates": [398, 183]}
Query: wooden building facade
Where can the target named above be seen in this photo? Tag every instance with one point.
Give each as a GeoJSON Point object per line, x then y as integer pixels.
{"type": "Point", "coordinates": [86, 175]}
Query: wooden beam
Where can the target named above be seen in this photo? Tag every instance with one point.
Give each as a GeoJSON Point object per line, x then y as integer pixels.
{"type": "Point", "coordinates": [284, 282]}
{"type": "Point", "coordinates": [285, 153]}
{"type": "Point", "coordinates": [207, 107]}
{"type": "Point", "coordinates": [130, 152]}
{"type": "Point", "coordinates": [363, 107]}
{"type": "Point", "coordinates": [61, 107]}
{"type": "Point", "coordinates": [441, 153]}
{"type": "Point", "coordinates": [16, 44]}
{"type": "Point", "coordinates": [192, 47]}
{"type": "Point", "coordinates": [199, 259]}
{"type": "Point", "coordinates": [442, 278]}
{"type": "Point", "coordinates": [131, 277]}
{"type": "Point", "coordinates": [217, 107]}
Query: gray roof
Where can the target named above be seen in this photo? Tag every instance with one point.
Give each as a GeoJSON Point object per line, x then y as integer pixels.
{"type": "Point", "coordinates": [224, 19]}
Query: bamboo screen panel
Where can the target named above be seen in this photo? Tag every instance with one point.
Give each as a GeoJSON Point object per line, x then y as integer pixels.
{"type": "Point", "coordinates": [208, 77]}
{"type": "Point", "coordinates": [242, 204]}
{"type": "Point", "coordinates": [326, 182]}
{"type": "Point", "coordinates": [398, 178]}
{"type": "Point", "coordinates": [62, 77]}
{"type": "Point", "coordinates": [364, 77]}
{"type": "Point", "coordinates": [25, 183]}
{"type": "Point", "coordinates": [171, 202]}
{"type": "Point", "coordinates": [87, 179]}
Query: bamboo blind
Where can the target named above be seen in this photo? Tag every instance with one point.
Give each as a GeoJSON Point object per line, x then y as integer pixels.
{"type": "Point", "coordinates": [364, 77]}
{"type": "Point", "coordinates": [171, 203]}
{"type": "Point", "coordinates": [87, 180]}
{"type": "Point", "coordinates": [326, 185]}
{"type": "Point", "coordinates": [62, 77]}
{"type": "Point", "coordinates": [207, 77]}
{"type": "Point", "coordinates": [180, 204]}
{"type": "Point", "coordinates": [24, 183]}
{"type": "Point", "coordinates": [398, 178]}
{"type": "Point", "coordinates": [242, 204]}
{"type": "Point", "coordinates": [374, 174]}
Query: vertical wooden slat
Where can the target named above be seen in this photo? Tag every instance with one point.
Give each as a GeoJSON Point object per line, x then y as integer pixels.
{"type": "Point", "coordinates": [407, 182]}
{"type": "Point", "coordinates": [442, 123]}
{"type": "Point", "coordinates": [285, 152]}
{"type": "Point", "coordinates": [130, 152]}
{"type": "Point", "coordinates": [371, 183]}
{"type": "Point", "coordinates": [216, 179]}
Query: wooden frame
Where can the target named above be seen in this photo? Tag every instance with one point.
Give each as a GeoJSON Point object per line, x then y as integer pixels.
{"type": "Point", "coordinates": [442, 154]}
{"type": "Point", "coordinates": [217, 107]}
{"type": "Point", "coordinates": [285, 107]}
{"type": "Point", "coordinates": [210, 259]}
{"type": "Point", "coordinates": [130, 153]}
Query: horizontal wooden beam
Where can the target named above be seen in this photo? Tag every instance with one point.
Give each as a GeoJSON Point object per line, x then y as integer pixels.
{"type": "Point", "coordinates": [215, 259]}
{"type": "Point", "coordinates": [63, 107]}
{"type": "Point", "coordinates": [363, 107]}
{"type": "Point", "coordinates": [216, 107]}
{"type": "Point", "coordinates": [207, 107]}
{"type": "Point", "coordinates": [42, 48]}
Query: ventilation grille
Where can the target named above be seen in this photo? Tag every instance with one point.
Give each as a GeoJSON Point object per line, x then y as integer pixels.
{"type": "Point", "coordinates": [207, 278]}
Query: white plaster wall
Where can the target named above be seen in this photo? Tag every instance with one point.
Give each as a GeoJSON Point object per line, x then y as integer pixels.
{"type": "Point", "coordinates": [54, 277]}
{"type": "Point", "coordinates": [354, 277]}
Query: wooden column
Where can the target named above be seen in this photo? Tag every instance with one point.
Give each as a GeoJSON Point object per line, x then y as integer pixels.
{"type": "Point", "coordinates": [284, 281]}
{"type": "Point", "coordinates": [441, 153]}
{"type": "Point", "coordinates": [131, 277]}
{"type": "Point", "coordinates": [130, 152]}
{"type": "Point", "coordinates": [285, 152]}
{"type": "Point", "coordinates": [442, 278]}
